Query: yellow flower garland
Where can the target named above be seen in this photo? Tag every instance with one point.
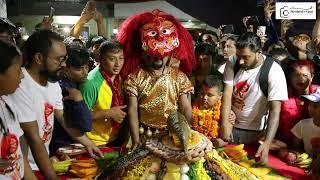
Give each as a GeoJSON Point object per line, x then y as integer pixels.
{"type": "Point", "coordinates": [207, 121]}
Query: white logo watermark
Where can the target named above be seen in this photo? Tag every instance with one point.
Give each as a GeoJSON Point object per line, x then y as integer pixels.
{"type": "Point", "coordinates": [295, 10]}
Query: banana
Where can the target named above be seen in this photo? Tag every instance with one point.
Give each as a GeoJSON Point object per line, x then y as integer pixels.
{"type": "Point", "coordinates": [302, 157]}
{"type": "Point", "coordinates": [305, 166]}
{"type": "Point", "coordinates": [61, 166]}
{"type": "Point", "coordinates": [305, 162]}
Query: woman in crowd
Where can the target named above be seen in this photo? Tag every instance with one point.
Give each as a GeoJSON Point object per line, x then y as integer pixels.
{"type": "Point", "coordinates": [13, 164]}
{"type": "Point", "coordinates": [299, 77]}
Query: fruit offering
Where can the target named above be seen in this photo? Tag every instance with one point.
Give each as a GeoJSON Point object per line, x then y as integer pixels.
{"type": "Point", "coordinates": [84, 168]}
{"type": "Point", "coordinates": [293, 158]}
{"type": "Point", "coordinates": [236, 153]}
{"type": "Point", "coordinates": [61, 167]}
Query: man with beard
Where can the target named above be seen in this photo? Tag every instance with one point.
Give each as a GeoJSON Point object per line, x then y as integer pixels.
{"type": "Point", "coordinates": [255, 111]}
{"type": "Point", "coordinates": [155, 89]}
{"type": "Point", "coordinates": [39, 99]}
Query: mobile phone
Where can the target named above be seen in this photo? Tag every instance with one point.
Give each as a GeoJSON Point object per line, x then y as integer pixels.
{"type": "Point", "coordinates": [261, 31]}
{"type": "Point", "coordinates": [253, 20]}
{"type": "Point", "coordinates": [51, 14]}
{"type": "Point", "coordinates": [228, 29]}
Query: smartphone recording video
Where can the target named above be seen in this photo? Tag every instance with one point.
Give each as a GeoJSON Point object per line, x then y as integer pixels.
{"type": "Point", "coordinates": [253, 20]}
{"type": "Point", "coordinates": [51, 14]}
{"type": "Point", "coordinates": [261, 31]}
{"type": "Point", "coordinates": [228, 29]}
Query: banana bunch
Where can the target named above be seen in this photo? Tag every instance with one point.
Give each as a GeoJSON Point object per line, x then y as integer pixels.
{"type": "Point", "coordinates": [61, 167]}
{"type": "Point", "coordinates": [303, 161]}
{"type": "Point", "coordinates": [236, 153]}
{"type": "Point", "coordinates": [84, 168]}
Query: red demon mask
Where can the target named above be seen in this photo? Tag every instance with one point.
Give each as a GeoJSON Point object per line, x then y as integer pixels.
{"type": "Point", "coordinates": [159, 37]}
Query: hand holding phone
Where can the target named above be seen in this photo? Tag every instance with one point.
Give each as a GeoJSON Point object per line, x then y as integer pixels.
{"type": "Point", "coordinates": [228, 29]}
{"type": "Point", "coordinates": [252, 20]}
{"type": "Point", "coordinates": [261, 31]}
{"type": "Point", "coordinates": [51, 14]}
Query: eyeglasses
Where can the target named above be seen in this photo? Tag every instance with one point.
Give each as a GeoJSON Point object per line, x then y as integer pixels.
{"type": "Point", "coordinates": [302, 37]}
{"type": "Point", "coordinates": [59, 60]}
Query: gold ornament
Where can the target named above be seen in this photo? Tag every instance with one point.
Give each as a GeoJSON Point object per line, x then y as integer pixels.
{"type": "Point", "coordinates": [156, 131]}
{"type": "Point", "coordinates": [141, 130]}
{"type": "Point", "coordinates": [149, 133]}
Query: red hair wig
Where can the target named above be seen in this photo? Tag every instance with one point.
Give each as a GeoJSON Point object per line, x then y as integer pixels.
{"type": "Point", "coordinates": [299, 63]}
{"type": "Point", "coordinates": [129, 36]}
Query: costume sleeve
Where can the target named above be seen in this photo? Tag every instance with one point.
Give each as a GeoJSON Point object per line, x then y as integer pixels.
{"type": "Point", "coordinates": [130, 85]}
{"type": "Point", "coordinates": [297, 130]}
{"type": "Point", "coordinates": [184, 84]}
{"type": "Point", "coordinates": [90, 93]}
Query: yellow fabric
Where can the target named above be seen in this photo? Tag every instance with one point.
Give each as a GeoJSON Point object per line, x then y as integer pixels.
{"type": "Point", "coordinates": [158, 96]}
{"type": "Point", "coordinates": [103, 132]}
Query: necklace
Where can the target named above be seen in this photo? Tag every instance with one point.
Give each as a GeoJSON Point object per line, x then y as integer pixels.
{"type": "Point", "coordinates": [207, 121]}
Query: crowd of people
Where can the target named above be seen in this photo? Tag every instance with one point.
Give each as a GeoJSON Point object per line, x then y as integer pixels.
{"type": "Point", "coordinates": [241, 88]}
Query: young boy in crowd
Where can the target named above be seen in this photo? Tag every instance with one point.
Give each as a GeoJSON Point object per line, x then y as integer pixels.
{"type": "Point", "coordinates": [76, 111]}
{"type": "Point", "coordinates": [307, 131]}
{"type": "Point", "coordinates": [206, 110]}
{"type": "Point", "coordinates": [102, 94]}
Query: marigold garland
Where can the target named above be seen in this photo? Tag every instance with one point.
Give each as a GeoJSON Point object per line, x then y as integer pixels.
{"type": "Point", "coordinates": [207, 121]}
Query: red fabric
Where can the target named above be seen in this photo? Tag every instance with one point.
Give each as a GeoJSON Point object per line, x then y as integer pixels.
{"type": "Point", "coordinates": [291, 113]}
{"type": "Point", "coordinates": [9, 145]}
{"type": "Point", "coordinates": [117, 98]}
{"type": "Point", "coordinates": [291, 172]}
{"type": "Point", "coordinates": [129, 36]}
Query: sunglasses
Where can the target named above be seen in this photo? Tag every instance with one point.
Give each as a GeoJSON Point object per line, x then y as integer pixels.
{"type": "Point", "coordinates": [302, 37]}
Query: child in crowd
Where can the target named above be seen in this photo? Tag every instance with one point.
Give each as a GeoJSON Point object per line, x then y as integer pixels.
{"type": "Point", "coordinates": [307, 131]}
{"type": "Point", "coordinates": [206, 110]}
{"type": "Point", "coordinates": [13, 164]}
{"type": "Point", "coordinates": [76, 111]}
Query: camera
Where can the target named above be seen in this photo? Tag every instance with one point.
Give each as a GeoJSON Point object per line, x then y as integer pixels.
{"type": "Point", "coordinates": [284, 11]}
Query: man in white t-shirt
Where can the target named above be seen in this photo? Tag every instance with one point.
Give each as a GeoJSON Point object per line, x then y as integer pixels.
{"type": "Point", "coordinates": [307, 131]}
{"type": "Point", "coordinates": [254, 111]}
{"type": "Point", "coordinates": [39, 98]}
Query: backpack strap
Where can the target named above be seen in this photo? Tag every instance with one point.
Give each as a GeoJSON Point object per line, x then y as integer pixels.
{"type": "Point", "coordinates": [264, 75]}
{"type": "Point", "coordinates": [236, 67]}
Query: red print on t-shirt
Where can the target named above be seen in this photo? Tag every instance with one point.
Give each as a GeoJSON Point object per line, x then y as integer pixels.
{"type": "Point", "coordinates": [47, 127]}
{"type": "Point", "coordinates": [9, 147]}
{"type": "Point", "coordinates": [241, 88]}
